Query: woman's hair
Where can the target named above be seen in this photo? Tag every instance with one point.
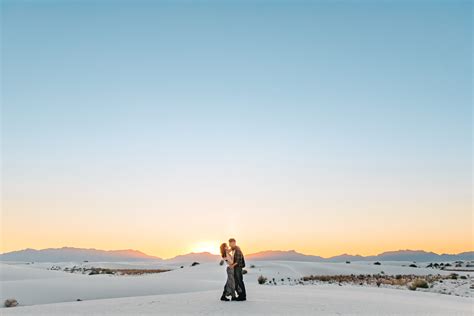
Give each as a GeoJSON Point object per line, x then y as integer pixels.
{"type": "Point", "coordinates": [223, 250]}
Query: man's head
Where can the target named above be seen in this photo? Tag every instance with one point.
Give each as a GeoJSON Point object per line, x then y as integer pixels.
{"type": "Point", "coordinates": [232, 243]}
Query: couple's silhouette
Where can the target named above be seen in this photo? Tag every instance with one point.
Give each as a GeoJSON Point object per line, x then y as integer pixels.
{"type": "Point", "coordinates": [234, 258]}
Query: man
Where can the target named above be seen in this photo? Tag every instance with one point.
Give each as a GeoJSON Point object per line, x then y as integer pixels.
{"type": "Point", "coordinates": [239, 264]}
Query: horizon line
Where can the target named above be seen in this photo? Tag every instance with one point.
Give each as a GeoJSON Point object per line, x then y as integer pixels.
{"type": "Point", "coordinates": [252, 253]}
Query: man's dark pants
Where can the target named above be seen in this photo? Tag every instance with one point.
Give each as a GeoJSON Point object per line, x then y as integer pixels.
{"type": "Point", "coordinates": [239, 283]}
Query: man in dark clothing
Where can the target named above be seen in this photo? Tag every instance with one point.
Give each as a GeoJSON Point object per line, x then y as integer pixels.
{"type": "Point", "coordinates": [239, 262]}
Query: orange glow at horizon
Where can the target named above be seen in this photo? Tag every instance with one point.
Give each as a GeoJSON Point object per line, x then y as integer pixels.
{"type": "Point", "coordinates": [325, 247]}
{"type": "Point", "coordinates": [110, 224]}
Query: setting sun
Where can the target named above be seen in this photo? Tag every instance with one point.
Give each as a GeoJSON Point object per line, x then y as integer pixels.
{"type": "Point", "coordinates": [206, 246]}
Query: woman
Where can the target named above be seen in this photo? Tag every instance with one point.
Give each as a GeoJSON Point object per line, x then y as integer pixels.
{"type": "Point", "coordinates": [229, 288]}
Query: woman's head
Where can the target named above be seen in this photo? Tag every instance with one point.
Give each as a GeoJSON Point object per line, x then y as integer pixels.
{"type": "Point", "coordinates": [224, 250]}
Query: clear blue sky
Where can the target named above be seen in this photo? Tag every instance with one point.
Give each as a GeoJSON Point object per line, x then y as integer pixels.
{"type": "Point", "coordinates": [347, 111]}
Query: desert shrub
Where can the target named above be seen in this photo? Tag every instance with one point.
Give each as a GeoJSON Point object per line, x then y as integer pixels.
{"type": "Point", "coordinates": [136, 271]}
{"type": "Point", "coordinates": [377, 263]}
{"type": "Point", "coordinates": [453, 276]}
{"type": "Point", "coordinates": [194, 264]}
{"type": "Point", "coordinates": [348, 262]}
{"type": "Point", "coordinates": [418, 283]}
{"type": "Point", "coordinates": [398, 277]}
{"type": "Point", "coordinates": [463, 277]}
{"type": "Point", "coordinates": [244, 271]}
{"type": "Point", "coordinates": [262, 280]}
{"type": "Point", "coordinates": [11, 302]}
{"type": "Point", "coordinates": [413, 265]}
{"type": "Point", "coordinates": [252, 266]}
{"type": "Point", "coordinates": [323, 278]}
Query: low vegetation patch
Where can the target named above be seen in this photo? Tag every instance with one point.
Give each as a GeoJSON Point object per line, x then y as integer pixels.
{"type": "Point", "coordinates": [262, 280]}
{"type": "Point", "coordinates": [377, 279]}
{"type": "Point", "coordinates": [453, 276]}
{"type": "Point", "coordinates": [418, 283]}
{"type": "Point", "coordinates": [96, 271]}
{"type": "Point", "coordinates": [126, 271]}
{"type": "Point", "coordinates": [11, 302]}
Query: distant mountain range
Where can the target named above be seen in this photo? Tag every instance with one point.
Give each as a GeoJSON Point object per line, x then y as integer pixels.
{"type": "Point", "coordinates": [400, 255]}
{"type": "Point", "coordinates": [67, 254]}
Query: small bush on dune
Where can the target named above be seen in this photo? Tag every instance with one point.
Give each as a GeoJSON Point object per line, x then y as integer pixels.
{"type": "Point", "coordinates": [377, 263]}
{"type": "Point", "coordinates": [418, 283]}
{"type": "Point", "coordinates": [194, 264]}
{"type": "Point", "coordinates": [262, 280]}
{"type": "Point", "coordinates": [453, 276]}
{"type": "Point", "coordinates": [244, 271]}
{"type": "Point", "coordinates": [11, 302]}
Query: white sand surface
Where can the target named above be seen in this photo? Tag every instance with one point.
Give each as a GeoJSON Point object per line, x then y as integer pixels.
{"type": "Point", "coordinates": [196, 290]}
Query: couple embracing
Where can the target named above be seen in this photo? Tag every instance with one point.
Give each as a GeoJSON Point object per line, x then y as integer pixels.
{"type": "Point", "coordinates": [235, 261]}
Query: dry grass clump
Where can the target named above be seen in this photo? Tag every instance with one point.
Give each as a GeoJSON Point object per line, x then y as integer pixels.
{"type": "Point", "coordinates": [95, 271]}
{"type": "Point", "coordinates": [453, 276]}
{"type": "Point", "coordinates": [140, 271]}
{"type": "Point", "coordinates": [11, 302]}
{"type": "Point", "coordinates": [262, 280]}
{"type": "Point", "coordinates": [376, 279]}
{"type": "Point", "coordinates": [418, 283]}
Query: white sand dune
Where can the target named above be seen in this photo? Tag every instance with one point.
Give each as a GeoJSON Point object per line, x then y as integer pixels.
{"type": "Point", "coordinates": [266, 300]}
{"type": "Point", "coordinates": [196, 290]}
{"type": "Point", "coordinates": [9, 272]}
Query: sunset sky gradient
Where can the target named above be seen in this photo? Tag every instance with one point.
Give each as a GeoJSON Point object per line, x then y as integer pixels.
{"type": "Point", "coordinates": [325, 127]}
